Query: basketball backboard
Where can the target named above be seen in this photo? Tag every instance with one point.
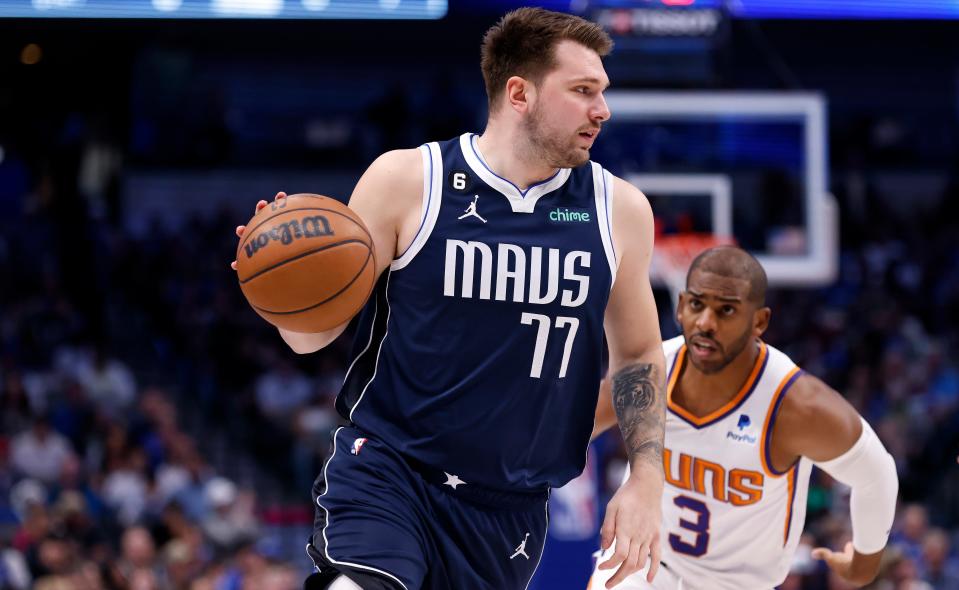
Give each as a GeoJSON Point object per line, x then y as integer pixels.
{"type": "Point", "coordinates": [752, 166]}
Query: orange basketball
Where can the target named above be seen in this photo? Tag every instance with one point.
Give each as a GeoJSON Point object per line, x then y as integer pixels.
{"type": "Point", "coordinates": [305, 263]}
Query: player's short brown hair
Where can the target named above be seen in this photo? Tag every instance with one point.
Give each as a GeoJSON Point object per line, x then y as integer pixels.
{"type": "Point", "coordinates": [523, 43]}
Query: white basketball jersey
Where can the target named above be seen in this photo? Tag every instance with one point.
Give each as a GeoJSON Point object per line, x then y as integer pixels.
{"type": "Point", "coordinates": [730, 520]}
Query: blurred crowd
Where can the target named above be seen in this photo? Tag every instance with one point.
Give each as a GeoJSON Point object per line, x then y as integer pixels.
{"type": "Point", "coordinates": [133, 380]}
{"type": "Point", "coordinates": [103, 489]}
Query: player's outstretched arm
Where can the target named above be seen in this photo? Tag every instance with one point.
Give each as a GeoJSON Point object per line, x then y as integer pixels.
{"type": "Point", "coordinates": [637, 377]}
{"type": "Point", "coordinates": [387, 198]}
{"type": "Point", "coordinates": [816, 422]}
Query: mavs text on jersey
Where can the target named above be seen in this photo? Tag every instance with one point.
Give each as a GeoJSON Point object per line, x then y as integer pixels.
{"type": "Point", "coordinates": [473, 382]}
{"type": "Point", "coordinates": [480, 352]}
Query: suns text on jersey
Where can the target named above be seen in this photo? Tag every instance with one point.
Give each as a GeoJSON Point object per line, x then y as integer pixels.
{"type": "Point", "coordinates": [739, 487]}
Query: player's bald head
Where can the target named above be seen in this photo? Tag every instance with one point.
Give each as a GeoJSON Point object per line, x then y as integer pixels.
{"type": "Point", "coordinates": [734, 263]}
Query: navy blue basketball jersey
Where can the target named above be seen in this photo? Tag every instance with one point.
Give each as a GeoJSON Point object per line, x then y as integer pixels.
{"type": "Point", "coordinates": [480, 352]}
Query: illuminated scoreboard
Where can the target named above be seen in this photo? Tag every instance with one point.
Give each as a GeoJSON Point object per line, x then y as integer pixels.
{"type": "Point", "coordinates": [661, 41]}
{"type": "Point", "coordinates": [845, 9]}
{"type": "Point", "coordinates": [677, 18]}
{"type": "Point", "coordinates": [759, 9]}
{"type": "Point", "coordinates": [213, 9]}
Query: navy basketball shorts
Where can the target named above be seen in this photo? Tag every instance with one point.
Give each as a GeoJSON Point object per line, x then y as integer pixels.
{"type": "Point", "coordinates": [389, 525]}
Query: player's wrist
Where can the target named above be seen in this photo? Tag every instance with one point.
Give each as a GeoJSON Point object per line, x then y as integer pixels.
{"type": "Point", "coordinates": [644, 471]}
{"type": "Point", "coordinates": [863, 568]}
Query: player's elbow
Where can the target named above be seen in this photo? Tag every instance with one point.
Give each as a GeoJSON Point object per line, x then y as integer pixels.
{"type": "Point", "coordinates": [600, 428]}
{"type": "Point", "coordinates": [301, 343]}
{"type": "Point", "coordinates": [299, 348]}
{"type": "Point", "coordinates": [864, 569]}
{"type": "Point", "coordinates": [605, 416]}
{"type": "Point", "coordinates": [863, 581]}
{"type": "Point", "coordinates": [603, 421]}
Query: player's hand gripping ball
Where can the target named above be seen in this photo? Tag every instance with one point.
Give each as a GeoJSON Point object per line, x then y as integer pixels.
{"type": "Point", "coordinates": [305, 263]}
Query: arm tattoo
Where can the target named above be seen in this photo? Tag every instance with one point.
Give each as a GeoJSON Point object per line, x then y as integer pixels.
{"type": "Point", "coordinates": [641, 411]}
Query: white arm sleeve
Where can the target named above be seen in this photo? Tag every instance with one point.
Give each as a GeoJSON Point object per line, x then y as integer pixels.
{"type": "Point", "coordinates": [870, 471]}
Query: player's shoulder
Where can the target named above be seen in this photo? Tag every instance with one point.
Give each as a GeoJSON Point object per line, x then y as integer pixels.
{"type": "Point", "coordinates": [808, 392]}
{"type": "Point", "coordinates": [399, 163]}
{"type": "Point", "coordinates": [810, 402]}
{"type": "Point", "coordinates": [805, 392]}
{"type": "Point", "coordinates": [394, 178]}
{"type": "Point", "coordinates": [632, 214]}
{"type": "Point", "coordinates": [628, 196]}
{"type": "Point", "coordinates": [672, 345]}
{"type": "Point", "coordinates": [815, 421]}
{"type": "Point", "coordinates": [778, 364]}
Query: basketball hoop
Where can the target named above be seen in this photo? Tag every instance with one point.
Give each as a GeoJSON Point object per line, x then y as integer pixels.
{"type": "Point", "coordinates": [673, 253]}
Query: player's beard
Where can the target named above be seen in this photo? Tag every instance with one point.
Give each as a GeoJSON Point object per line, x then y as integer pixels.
{"type": "Point", "coordinates": [557, 148]}
{"type": "Point", "coordinates": [730, 354]}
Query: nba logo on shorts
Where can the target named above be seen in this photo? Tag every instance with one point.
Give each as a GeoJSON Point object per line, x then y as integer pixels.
{"type": "Point", "coordinates": [357, 445]}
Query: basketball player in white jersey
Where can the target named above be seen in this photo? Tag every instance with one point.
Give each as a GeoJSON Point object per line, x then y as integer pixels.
{"type": "Point", "coordinates": [744, 427]}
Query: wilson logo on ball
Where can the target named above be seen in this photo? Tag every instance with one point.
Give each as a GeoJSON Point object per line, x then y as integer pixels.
{"type": "Point", "coordinates": [308, 227]}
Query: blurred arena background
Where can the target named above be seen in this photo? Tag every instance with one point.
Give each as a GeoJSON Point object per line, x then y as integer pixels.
{"type": "Point", "coordinates": [157, 434]}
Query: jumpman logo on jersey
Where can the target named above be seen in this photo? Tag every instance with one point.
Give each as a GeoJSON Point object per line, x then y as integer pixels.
{"type": "Point", "coordinates": [521, 550]}
{"type": "Point", "coordinates": [452, 480]}
{"type": "Point", "coordinates": [471, 210]}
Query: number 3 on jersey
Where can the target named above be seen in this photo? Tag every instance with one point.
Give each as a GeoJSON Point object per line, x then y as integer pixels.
{"type": "Point", "coordinates": [701, 527]}
{"type": "Point", "coordinates": [542, 335]}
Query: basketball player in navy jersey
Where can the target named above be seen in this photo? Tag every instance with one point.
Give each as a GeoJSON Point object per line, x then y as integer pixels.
{"type": "Point", "coordinates": [502, 259]}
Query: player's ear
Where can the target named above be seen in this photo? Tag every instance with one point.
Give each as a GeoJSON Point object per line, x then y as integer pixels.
{"type": "Point", "coordinates": [679, 307]}
{"type": "Point", "coordinates": [518, 93]}
{"type": "Point", "coordinates": [761, 320]}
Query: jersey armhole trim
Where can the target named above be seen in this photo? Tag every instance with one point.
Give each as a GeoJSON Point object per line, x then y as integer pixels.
{"type": "Point", "coordinates": [767, 435]}
{"type": "Point", "coordinates": [791, 498]}
{"type": "Point", "coordinates": [432, 194]}
{"type": "Point", "coordinates": [603, 192]}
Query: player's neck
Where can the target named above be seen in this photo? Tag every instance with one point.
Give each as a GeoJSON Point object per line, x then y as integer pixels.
{"type": "Point", "coordinates": [703, 393]}
{"type": "Point", "coordinates": [507, 153]}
